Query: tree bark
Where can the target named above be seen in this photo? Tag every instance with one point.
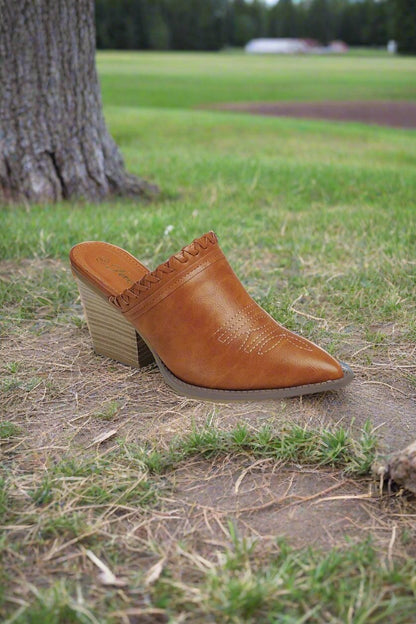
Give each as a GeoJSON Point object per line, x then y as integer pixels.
{"type": "Point", "coordinates": [54, 143]}
{"type": "Point", "coordinates": [400, 468]}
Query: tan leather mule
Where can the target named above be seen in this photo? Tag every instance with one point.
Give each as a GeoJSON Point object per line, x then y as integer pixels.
{"type": "Point", "coordinates": [193, 316]}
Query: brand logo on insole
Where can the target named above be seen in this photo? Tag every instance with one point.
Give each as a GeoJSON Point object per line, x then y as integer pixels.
{"type": "Point", "coordinates": [114, 268]}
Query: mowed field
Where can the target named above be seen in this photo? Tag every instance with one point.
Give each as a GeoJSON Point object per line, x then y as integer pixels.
{"type": "Point", "coordinates": [121, 502]}
{"type": "Point", "coordinates": [186, 80]}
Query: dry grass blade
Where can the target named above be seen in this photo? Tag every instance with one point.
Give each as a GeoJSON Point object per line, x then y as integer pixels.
{"type": "Point", "coordinates": [154, 573]}
{"type": "Point", "coordinates": [106, 435]}
{"type": "Point", "coordinates": [106, 576]}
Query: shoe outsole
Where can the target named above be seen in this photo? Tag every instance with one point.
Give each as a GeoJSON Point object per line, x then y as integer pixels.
{"type": "Point", "coordinates": [211, 394]}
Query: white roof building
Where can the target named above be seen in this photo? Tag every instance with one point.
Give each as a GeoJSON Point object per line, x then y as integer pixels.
{"type": "Point", "coordinates": [294, 46]}
{"type": "Point", "coordinates": [276, 46]}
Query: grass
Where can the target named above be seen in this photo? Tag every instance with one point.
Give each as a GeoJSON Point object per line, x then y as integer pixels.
{"type": "Point", "coordinates": [185, 80]}
{"type": "Point", "coordinates": [305, 586]}
{"type": "Point", "coordinates": [293, 586]}
{"type": "Point", "coordinates": [109, 411]}
{"type": "Point", "coordinates": [331, 207]}
{"type": "Point", "coordinates": [319, 221]}
{"type": "Point", "coordinates": [96, 504]}
{"type": "Point", "coordinates": [8, 430]}
{"type": "Point", "coordinates": [295, 444]}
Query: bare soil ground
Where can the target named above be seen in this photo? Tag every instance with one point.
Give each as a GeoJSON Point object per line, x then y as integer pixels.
{"type": "Point", "coordinates": [59, 399]}
{"type": "Point", "coordinates": [62, 389]}
{"type": "Point", "coordinates": [396, 114]}
{"type": "Point", "coordinates": [63, 385]}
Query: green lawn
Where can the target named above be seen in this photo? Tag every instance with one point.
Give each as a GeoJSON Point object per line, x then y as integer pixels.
{"type": "Point", "coordinates": [324, 210]}
{"type": "Point", "coordinates": [186, 80]}
{"type": "Point", "coordinates": [319, 221]}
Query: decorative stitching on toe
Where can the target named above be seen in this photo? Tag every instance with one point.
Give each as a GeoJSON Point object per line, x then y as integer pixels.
{"type": "Point", "coordinates": [253, 332]}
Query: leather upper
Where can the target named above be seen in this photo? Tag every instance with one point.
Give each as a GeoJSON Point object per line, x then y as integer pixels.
{"type": "Point", "coordinates": [196, 315]}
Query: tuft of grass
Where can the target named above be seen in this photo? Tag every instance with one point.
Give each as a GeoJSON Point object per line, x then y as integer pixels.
{"type": "Point", "coordinates": [4, 499]}
{"type": "Point", "coordinates": [342, 585]}
{"type": "Point", "coordinates": [55, 605]}
{"type": "Point", "coordinates": [52, 503]}
{"type": "Point", "coordinates": [45, 292]}
{"type": "Point", "coordinates": [96, 481]}
{"type": "Point", "coordinates": [69, 526]}
{"type": "Point", "coordinates": [110, 410]}
{"type": "Point", "coordinates": [8, 430]}
{"type": "Point", "coordinates": [15, 383]}
{"type": "Point", "coordinates": [241, 584]}
{"type": "Point", "coordinates": [44, 491]}
{"type": "Point", "coordinates": [322, 447]}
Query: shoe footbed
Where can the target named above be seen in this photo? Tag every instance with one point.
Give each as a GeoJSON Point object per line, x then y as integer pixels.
{"type": "Point", "coordinates": [109, 267]}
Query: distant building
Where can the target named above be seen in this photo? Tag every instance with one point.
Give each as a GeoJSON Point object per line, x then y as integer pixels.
{"type": "Point", "coordinates": [293, 46]}
{"type": "Point", "coordinates": [276, 46]}
{"type": "Point", "coordinates": [339, 47]}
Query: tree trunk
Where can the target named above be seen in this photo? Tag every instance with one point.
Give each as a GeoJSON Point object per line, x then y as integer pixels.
{"type": "Point", "coordinates": [54, 143]}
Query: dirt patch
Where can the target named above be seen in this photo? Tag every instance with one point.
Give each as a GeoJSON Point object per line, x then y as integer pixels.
{"type": "Point", "coordinates": [69, 403]}
{"type": "Point", "coordinates": [66, 399]}
{"type": "Point", "coordinates": [62, 393]}
{"type": "Point", "coordinates": [308, 506]}
{"type": "Point", "coordinates": [27, 268]}
{"type": "Point", "coordinates": [395, 114]}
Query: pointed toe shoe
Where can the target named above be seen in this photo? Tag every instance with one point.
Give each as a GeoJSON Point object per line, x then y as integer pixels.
{"type": "Point", "coordinates": [194, 318]}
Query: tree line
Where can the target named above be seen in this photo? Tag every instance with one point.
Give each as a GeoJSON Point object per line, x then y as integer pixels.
{"type": "Point", "coordinates": [215, 24]}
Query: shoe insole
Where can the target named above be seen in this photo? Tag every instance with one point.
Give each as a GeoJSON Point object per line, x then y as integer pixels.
{"type": "Point", "coordinates": [107, 265]}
